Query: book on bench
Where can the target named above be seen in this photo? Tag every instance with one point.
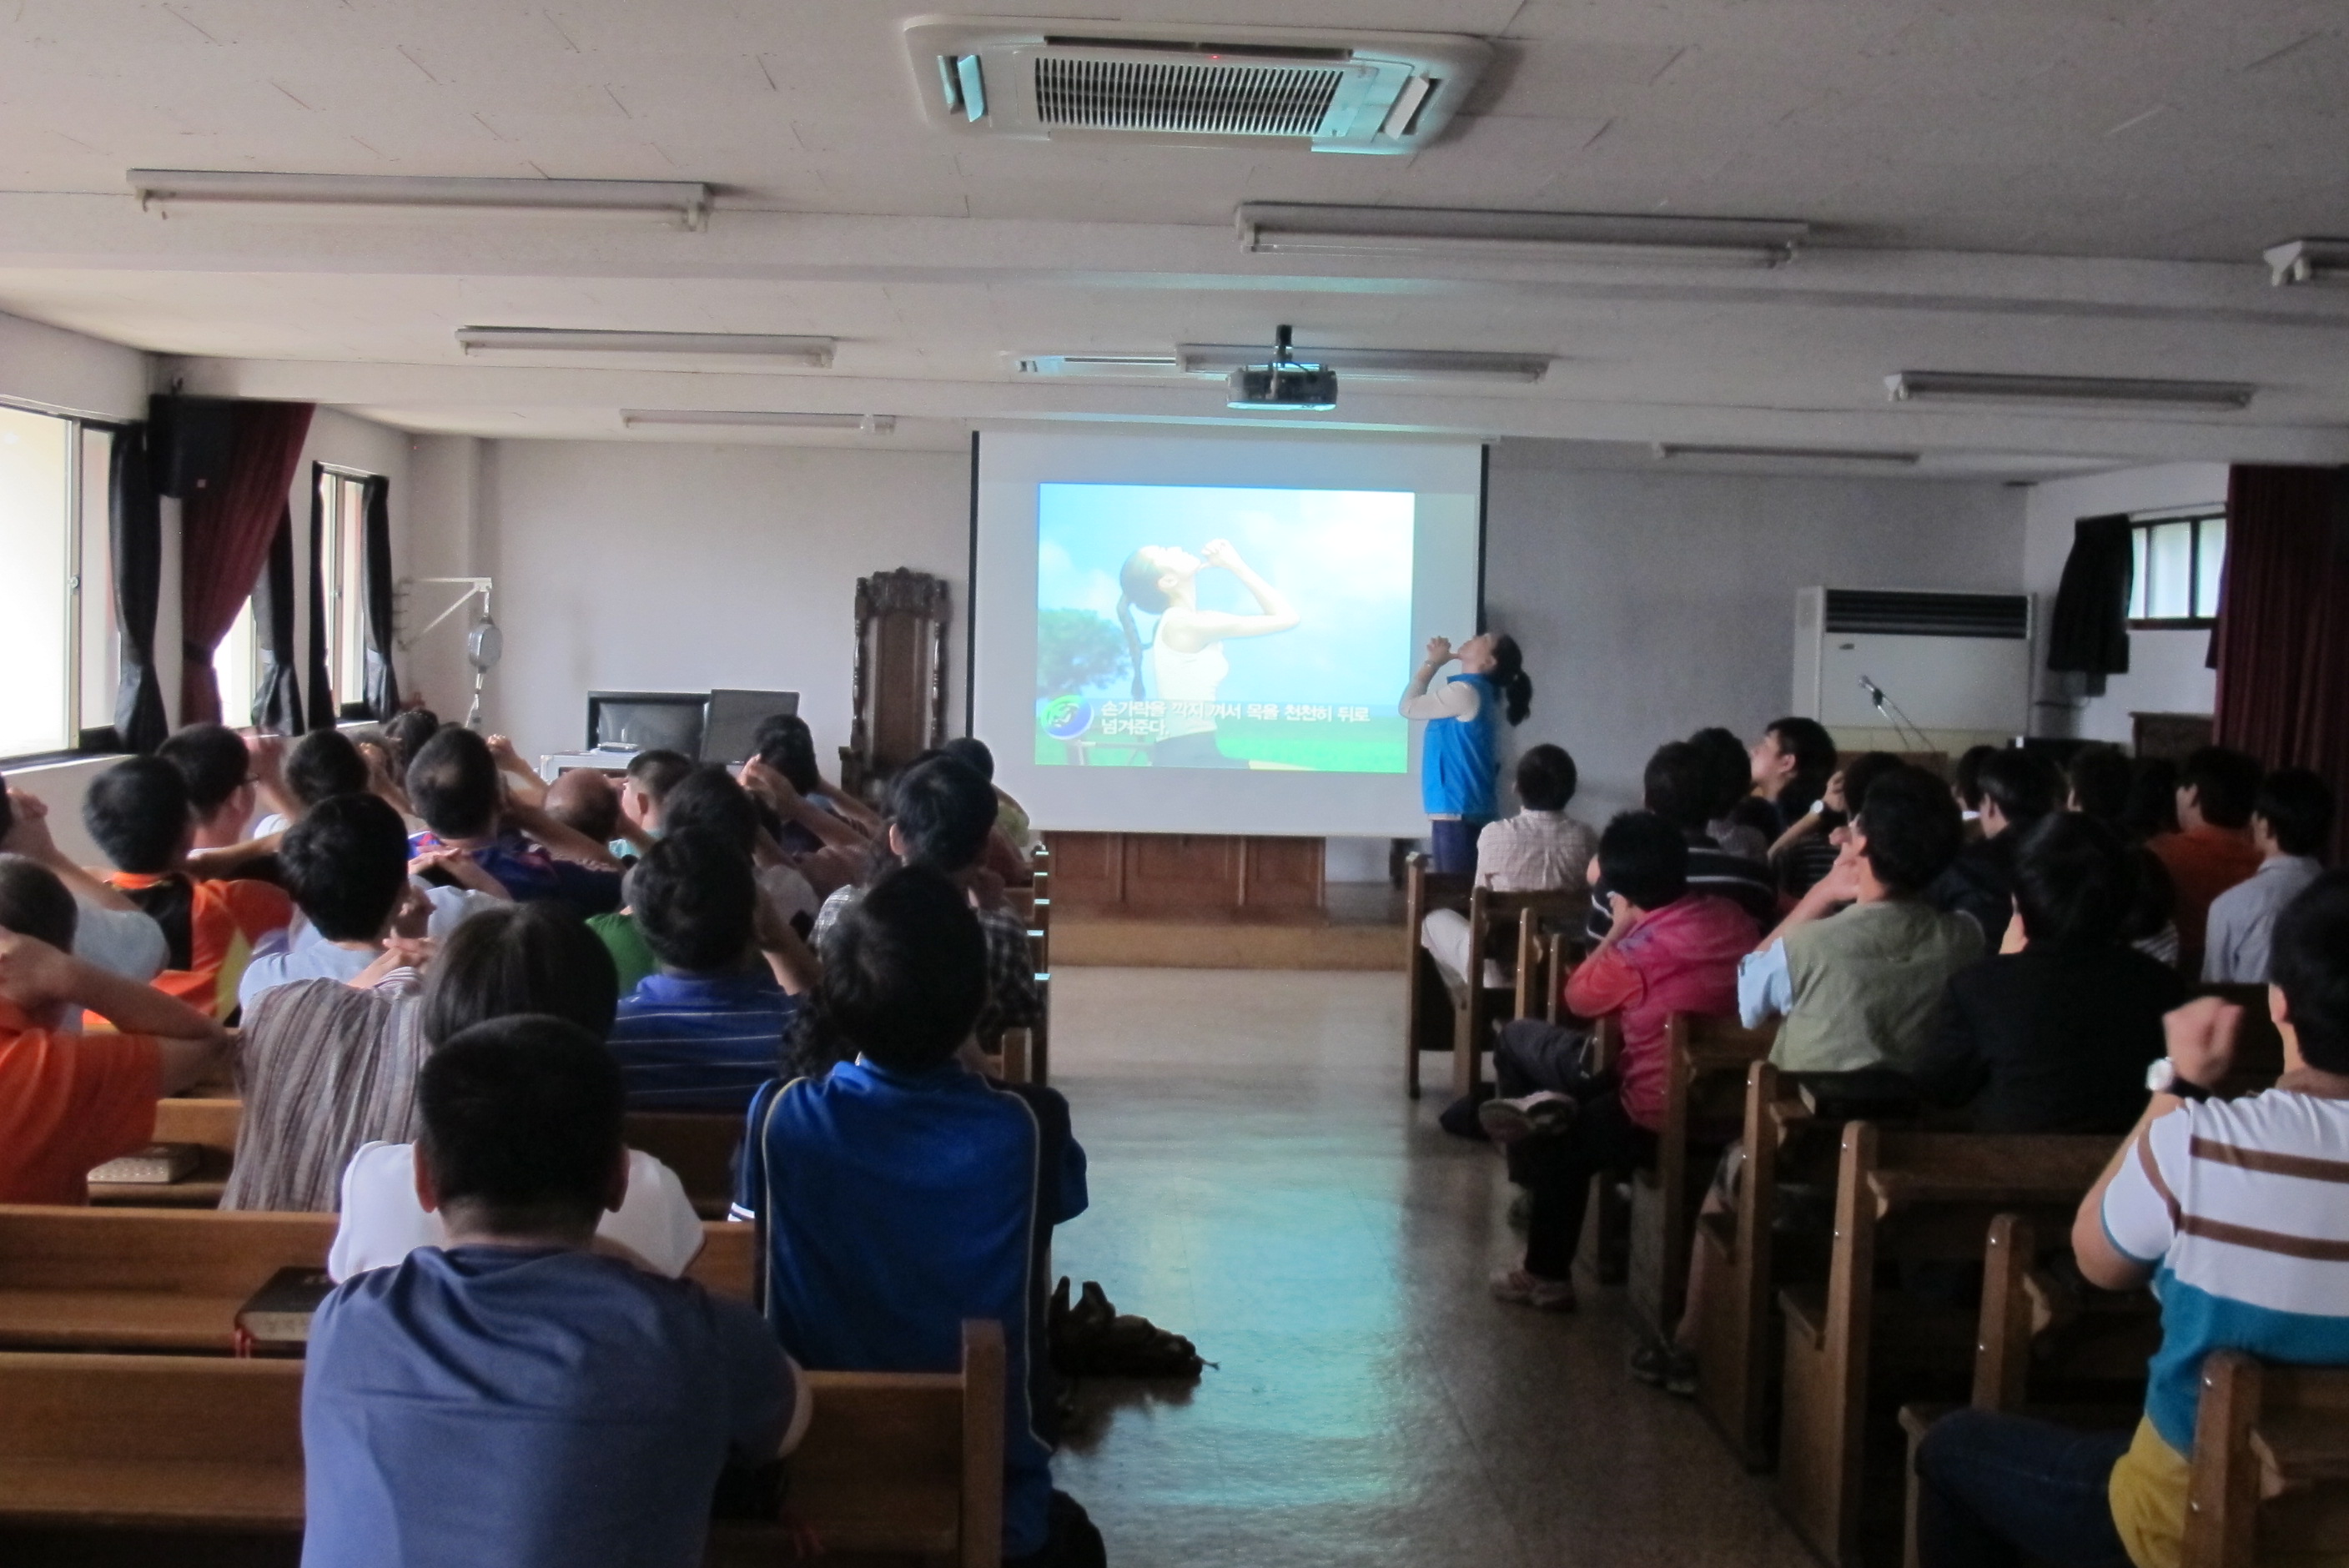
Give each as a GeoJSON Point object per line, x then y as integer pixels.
{"type": "Point", "coordinates": [156, 1165]}
{"type": "Point", "coordinates": [279, 1312]}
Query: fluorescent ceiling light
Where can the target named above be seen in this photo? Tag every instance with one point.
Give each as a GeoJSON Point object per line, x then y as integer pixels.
{"type": "Point", "coordinates": [1372, 364]}
{"type": "Point", "coordinates": [1289, 227]}
{"type": "Point", "coordinates": [2308, 262]}
{"type": "Point", "coordinates": [1667, 450]}
{"type": "Point", "coordinates": [1117, 365]}
{"type": "Point", "coordinates": [870, 424]}
{"type": "Point", "coordinates": [1966, 385]}
{"type": "Point", "coordinates": [815, 352]}
{"type": "Point", "coordinates": [686, 200]}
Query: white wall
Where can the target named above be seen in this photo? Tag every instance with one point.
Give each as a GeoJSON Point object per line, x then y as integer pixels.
{"type": "Point", "coordinates": [673, 567]}
{"type": "Point", "coordinates": [1651, 606]}
{"type": "Point", "coordinates": [2165, 672]}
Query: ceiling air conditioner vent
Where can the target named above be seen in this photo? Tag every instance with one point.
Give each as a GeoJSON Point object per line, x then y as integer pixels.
{"type": "Point", "coordinates": [1351, 92]}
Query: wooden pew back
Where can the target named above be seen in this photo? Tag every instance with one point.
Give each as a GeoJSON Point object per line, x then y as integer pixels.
{"type": "Point", "coordinates": [2270, 1472]}
{"type": "Point", "coordinates": [1915, 1198]}
{"type": "Point", "coordinates": [1428, 1024]}
{"type": "Point", "coordinates": [893, 1463]}
{"type": "Point", "coordinates": [1708, 1062]}
{"type": "Point", "coordinates": [211, 1124]}
{"type": "Point", "coordinates": [699, 1145]}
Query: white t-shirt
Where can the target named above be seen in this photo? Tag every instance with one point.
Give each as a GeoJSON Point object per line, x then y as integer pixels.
{"type": "Point", "coordinates": [655, 1226]}
{"type": "Point", "coordinates": [125, 941]}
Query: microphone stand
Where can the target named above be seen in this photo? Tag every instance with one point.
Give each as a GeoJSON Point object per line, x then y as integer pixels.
{"type": "Point", "coordinates": [1912, 735]}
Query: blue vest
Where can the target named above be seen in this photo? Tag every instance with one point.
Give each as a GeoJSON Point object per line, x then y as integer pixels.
{"type": "Point", "coordinates": [1457, 760]}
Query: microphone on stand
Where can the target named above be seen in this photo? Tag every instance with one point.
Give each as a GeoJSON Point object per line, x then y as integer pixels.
{"type": "Point", "coordinates": [1893, 715]}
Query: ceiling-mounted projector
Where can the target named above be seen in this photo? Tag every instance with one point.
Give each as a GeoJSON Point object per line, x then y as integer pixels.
{"type": "Point", "coordinates": [1285, 384]}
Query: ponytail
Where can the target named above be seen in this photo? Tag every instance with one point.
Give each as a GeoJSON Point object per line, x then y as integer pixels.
{"type": "Point", "coordinates": [1137, 583]}
{"type": "Point", "coordinates": [1515, 686]}
{"type": "Point", "coordinates": [1132, 642]}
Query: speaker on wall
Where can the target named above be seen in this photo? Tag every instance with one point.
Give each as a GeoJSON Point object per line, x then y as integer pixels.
{"type": "Point", "coordinates": [188, 440]}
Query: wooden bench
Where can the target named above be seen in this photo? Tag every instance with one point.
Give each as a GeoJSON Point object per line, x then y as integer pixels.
{"type": "Point", "coordinates": [172, 1279]}
{"type": "Point", "coordinates": [893, 1464]}
{"type": "Point", "coordinates": [2270, 1472]}
{"type": "Point", "coordinates": [1461, 1010]}
{"type": "Point", "coordinates": [2047, 1344]}
{"type": "Point", "coordinates": [1909, 1198]}
{"type": "Point", "coordinates": [699, 1145]}
{"type": "Point", "coordinates": [1706, 1066]}
{"type": "Point", "coordinates": [208, 1124]}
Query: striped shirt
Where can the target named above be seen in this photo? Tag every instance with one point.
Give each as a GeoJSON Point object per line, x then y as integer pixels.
{"type": "Point", "coordinates": [701, 1042]}
{"type": "Point", "coordinates": [321, 1068]}
{"type": "Point", "coordinates": [2242, 1206]}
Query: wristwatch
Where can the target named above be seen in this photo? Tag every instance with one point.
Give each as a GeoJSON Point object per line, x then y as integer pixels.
{"type": "Point", "coordinates": [2163, 1077]}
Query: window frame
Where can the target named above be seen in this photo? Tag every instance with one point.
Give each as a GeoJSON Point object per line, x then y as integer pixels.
{"type": "Point", "coordinates": [2141, 547]}
{"type": "Point", "coordinates": [82, 737]}
{"type": "Point", "coordinates": [341, 570]}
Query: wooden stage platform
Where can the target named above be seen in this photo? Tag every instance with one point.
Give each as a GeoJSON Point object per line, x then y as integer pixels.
{"type": "Point", "coordinates": [1361, 928]}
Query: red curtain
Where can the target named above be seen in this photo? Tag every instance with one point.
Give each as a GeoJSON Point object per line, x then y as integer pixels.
{"type": "Point", "coordinates": [2283, 640]}
{"type": "Point", "coordinates": [225, 534]}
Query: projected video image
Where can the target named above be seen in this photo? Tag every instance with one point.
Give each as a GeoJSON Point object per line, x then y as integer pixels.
{"type": "Point", "coordinates": [1198, 626]}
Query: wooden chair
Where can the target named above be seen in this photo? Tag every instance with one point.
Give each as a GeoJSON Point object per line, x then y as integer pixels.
{"type": "Point", "coordinates": [699, 1145]}
{"type": "Point", "coordinates": [1462, 1008]}
{"type": "Point", "coordinates": [1706, 1068]}
{"type": "Point", "coordinates": [1907, 1198]}
{"type": "Point", "coordinates": [893, 1465]}
{"type": "Point", "coordinates": [1428, 1023]}
{"type": "Point", "coordinates": [2047, 1344]}
{"type": "Point", "coordinates": [211, 1124]}
{"type": "Point", "coordinates": [2271, 1473]}
{"type": "Point", "coordinates": [898, 698]}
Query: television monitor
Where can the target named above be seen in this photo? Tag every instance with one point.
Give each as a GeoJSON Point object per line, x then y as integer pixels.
{"type": "Point", "coordinates": [646, 720]}
{"type": "Point", "coordinates": [734, 718]}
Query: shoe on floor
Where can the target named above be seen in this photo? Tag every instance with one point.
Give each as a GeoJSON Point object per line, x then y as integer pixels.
{"type": "Point", "coordinates": [1542, 1115]}
{"type": "Point", "coordinates": [1459, 1117]}
{"type": "Point", "coordinates": [1666, 1366]}
{"type": "Point", "coordinates": [1522, 1289]}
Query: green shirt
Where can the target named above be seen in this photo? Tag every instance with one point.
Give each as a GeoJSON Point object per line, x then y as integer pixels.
{"type": "Point", "coordinates": [630, 955]}
{"type": "Point", "coordinates": [1868, 984]}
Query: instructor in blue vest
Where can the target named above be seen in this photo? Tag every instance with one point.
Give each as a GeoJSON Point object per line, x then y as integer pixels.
{"type": "Point", "coordinates": [1460, 764]}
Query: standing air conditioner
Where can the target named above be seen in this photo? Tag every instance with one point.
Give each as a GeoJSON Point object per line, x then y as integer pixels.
{"type": "Point", "coordinates": [1955, 669]}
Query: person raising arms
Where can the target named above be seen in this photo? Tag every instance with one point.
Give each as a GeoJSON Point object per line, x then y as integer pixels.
{"type": "Point", "coordinates": [1185, 650]}
{"type": "Point", "coordinates": [1460, 764]}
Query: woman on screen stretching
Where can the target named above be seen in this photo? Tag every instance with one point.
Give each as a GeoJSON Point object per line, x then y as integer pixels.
{"type": "Point", "coordinates": [1185, 648]}
{"type": "Point", "coordinates": [1460, 762]}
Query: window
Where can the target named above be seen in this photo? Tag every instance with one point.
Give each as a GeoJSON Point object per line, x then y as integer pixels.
{"type": "Point", "coordinates": [342, 503]}
{"type": "Point", "coordinates": [2177, 561]}
{"type": "Point", "coordinates": [57, 611]}
{"type": "Point", "coordinates": [236, 666]}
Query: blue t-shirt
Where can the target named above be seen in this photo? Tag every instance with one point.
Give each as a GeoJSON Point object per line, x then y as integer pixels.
{"type": "Point", "coordinates": [701, 1042]}
{"type": "Point", "coordinates": [898, 1205]}
{"type": "Point", "coordinates": [530, 1409]}
{"type": "Point", "coordinates": [1458, 762]}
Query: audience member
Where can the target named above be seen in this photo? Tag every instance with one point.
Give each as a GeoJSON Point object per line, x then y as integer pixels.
{"type": "Point", "coordinates": [899, 1192]}
{"type": "Point", "coordinates": [2096, 784]}
{"type": "Point", "coordinates": [112, 933]}
{"type": "Point", "coordinates": [1965, 781]}
{"type": "Point", "coordinates": [1006, 848]}
{"type": "Point", "coordinates": [582, 800]}
{"type": "Point", "coordinates": [1670, 948]}
{"type": "Point", "coordinates": [1539, 850]}
{"type": "Point", "coordinates": [1820, 835]}
{"type": "Point", "coordinates": [823, 834]}
{"type": "Point", "coordinates": [2016, 789]}
{"type": "Point", "coordinates": [2055, 1037]}
{"type": "Point", "coordinates": [215, 764]}
{"type": "Point", "coordinates": [2211, 1201]}
{"type": "Point", "coordinates": [138, 812]}
{"type": "Point", "coordinates": [1730, 797]}
{"type": "Point", "coordinates": [650, 777]}
{"type": "Point", "coordinates": [453, 783]}
{"type": "Point", "coordinates": [2212, 849]}
{"type": "Point", "coordinates": [940, 815]}
{"type": "Point", "coordinates": [2291, 822]}
{"type": "Point", "coordinates": [1861, 988]}
{"type": "Point", "coordinates": [511, 1396]}
{"type": "Point", "coordinates": [705, 1030]}
{"type": "Point", "coordinates": [1683, 787]}
{"type": "Point", "coordinates": [72, 1101]}
{"type": "Point", "coordinates": [325, 1066]}
{"type": "Point", "coordinates": [404, 735]}
{"type": "Point", "coordinates": [1790, 766]}
{"type": "Point", "coordinates": [322, 764]}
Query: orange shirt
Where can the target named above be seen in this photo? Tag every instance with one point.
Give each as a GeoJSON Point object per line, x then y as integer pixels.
{"type": "Point", "coordinates": [69, 1103]}
{"type": "Point", "coordinates": [2202, 863]}
{"type": "Point", "coordinates": [213, 943]}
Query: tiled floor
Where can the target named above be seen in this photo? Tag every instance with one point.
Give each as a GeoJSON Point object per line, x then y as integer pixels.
{"type": "Point", "coordinates": [1260, 1184]}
